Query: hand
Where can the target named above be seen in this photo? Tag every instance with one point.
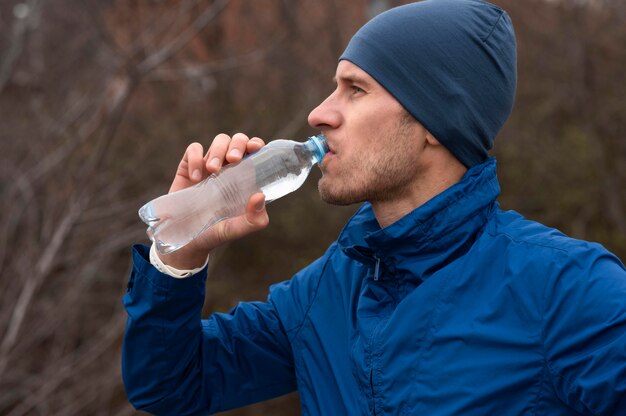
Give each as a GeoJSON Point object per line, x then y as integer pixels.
{"type": "Point", "coordinates": [196, 166]}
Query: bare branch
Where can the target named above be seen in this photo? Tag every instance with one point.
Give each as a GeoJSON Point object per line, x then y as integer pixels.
{"type": "Point", "coordinates": [202, 70]}
{"type": "Point", "coordinates": [73, 362]}
{"type": "Point", "coordinates": [183, 39]}
{"type": "Point", "coordinates": [42, 269]}
{"type": "Point", "coordinates": [160, 27]}
{"type": "Point", "coordinates": [26, 19]}
{"type": "Point", "coordinates": [83, 133]}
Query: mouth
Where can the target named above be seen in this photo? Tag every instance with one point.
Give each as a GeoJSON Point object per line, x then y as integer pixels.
{"type": "Point", "coordinates": [331, 151]}
{"type": "Point", "coordinates": [331, 148]}
{"type": "Point", "coordinates": [329, 155]}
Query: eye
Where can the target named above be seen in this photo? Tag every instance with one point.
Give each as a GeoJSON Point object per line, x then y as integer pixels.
{"type": "Point", "coordinates": [356, 90]}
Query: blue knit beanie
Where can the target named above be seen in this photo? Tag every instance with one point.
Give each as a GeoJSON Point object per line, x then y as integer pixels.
{"type": "Point", "coordinates": [450, 63]}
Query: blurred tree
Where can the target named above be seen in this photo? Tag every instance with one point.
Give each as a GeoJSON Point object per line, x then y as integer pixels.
{"type": "Point", "coordinates": [99, 98]}
{"type": "Point", "coordinates": [561, 155]}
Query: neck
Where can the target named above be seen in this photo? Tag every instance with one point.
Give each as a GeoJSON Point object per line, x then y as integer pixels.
{"type": "Point", "coordinates": [436, 179]}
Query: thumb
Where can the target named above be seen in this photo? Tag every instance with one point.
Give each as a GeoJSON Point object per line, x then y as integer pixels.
{"type": "Point", "coordinates": [255, 218]}
{"type": "Point", "coordinates": [256, 214]}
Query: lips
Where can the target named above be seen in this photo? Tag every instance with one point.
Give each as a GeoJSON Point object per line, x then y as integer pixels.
{"type": "Point", "coordinates": [327, 158]}
{"type": "Point", "coordinates": [331, 148]}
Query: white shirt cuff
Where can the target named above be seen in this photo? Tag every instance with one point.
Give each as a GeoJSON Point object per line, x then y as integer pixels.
{"type": "Point", "coordinates": [169, 270]}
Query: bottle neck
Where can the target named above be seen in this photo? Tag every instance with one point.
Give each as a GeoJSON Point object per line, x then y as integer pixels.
{"type": "Point", "coordinates": [318, 146]}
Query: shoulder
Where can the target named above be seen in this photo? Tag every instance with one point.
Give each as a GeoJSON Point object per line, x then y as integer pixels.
{"type": "Point", "coordinates": [535, 237]}
{"type": "Point", "coordinates": [551, 253]}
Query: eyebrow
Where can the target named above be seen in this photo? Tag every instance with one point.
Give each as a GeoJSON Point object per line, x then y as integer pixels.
{"type": "Point", "coordinates": [352, 79]}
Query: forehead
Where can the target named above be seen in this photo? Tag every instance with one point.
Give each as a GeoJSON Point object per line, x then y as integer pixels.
{"type": "Point", "coordinates": [347, 71]}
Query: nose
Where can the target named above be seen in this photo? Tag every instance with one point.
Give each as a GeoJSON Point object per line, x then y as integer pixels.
{"type": "Point", "coordinates": [326, 115]}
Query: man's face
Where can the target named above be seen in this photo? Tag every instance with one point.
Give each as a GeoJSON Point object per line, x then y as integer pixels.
{"type": "Point", "coordinates": [374, 143]}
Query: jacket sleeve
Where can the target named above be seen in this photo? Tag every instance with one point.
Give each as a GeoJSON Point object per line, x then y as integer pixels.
{"type": "Point", "coordinates": [585, 331]}
{"type": "Point", "coordinates": [175, 363]}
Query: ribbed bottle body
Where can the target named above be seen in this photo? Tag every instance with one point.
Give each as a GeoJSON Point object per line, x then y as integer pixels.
{"type": "Point", "coordinates": [277, 169]}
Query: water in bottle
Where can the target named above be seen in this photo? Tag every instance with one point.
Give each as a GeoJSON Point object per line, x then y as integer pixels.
{"type": "Point", "coordinates": [276, 170]}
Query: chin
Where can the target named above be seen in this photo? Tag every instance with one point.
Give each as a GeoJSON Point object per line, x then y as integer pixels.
{"type": "Point", "coordinates": [337, 196]}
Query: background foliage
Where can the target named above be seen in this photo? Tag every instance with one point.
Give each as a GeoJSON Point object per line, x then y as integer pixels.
{"type": "Point", "coordinates": [99, 98]}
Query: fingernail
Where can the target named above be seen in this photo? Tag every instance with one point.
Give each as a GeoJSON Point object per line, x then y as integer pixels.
{"type": "Point", "coordinates": [259, 206]}
{"type": "Point", "coordinates": [214, 163]}
{"type": "Point", "coordinates": [235, 153]}
{"type": "Point", "coordinates": [196, 175]}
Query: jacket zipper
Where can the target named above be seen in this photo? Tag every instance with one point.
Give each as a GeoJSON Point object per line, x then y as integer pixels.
{"type": "Point", "coordinates": [372, 388]}
{"type": "Point", "coordinates": [376, 277]}
{"type": "Point", "coordinates": [377, 268]}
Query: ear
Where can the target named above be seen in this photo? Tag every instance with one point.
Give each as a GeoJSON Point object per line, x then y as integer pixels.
{"type": "Point", "coordinates": [432, 140]}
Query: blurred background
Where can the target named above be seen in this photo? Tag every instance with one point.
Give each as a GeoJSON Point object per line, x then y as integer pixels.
{"type": "Point", "coordinates": [99, 99]}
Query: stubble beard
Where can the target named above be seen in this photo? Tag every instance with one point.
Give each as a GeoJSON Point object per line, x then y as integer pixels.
{"type": "Point", "coordinates": [342, 196]}
{"type": "Point", "coordinates": [378, 178]}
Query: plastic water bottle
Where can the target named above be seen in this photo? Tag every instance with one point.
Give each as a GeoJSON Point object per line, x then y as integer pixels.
{"type": "Point", "coordinates": [276, 169]}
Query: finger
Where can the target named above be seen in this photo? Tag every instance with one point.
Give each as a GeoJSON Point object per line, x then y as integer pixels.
{"type": "Point", "coordinates": [217, 153]}
{"type": "Point", "coordinates": [256, 205]}
{"type": "Point", "coordinates": [190, 163]}
{"type": "Point", "coordinates": [237, 147]}
{"type": "Point", "coordinates": [254, 219]}
{"type": "Point", "coordinates": [254, 144]}
{"type": "Point", "coordinates": [194, 160]}
{"type": "Point", "coordinates": [256, 214]}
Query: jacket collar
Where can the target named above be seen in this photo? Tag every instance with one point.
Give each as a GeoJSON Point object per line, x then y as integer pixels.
{"type": "Point", "coordinates": [430, 236]}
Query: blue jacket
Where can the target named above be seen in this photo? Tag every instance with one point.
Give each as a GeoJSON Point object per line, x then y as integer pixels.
{"type": "Point", "coordinates": [459, 308]}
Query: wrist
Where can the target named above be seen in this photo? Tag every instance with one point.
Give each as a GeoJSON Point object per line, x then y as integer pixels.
{"type": "Point", "coordinates": [184, 258]}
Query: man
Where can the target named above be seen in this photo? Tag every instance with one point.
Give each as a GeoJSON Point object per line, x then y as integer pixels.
{"type": "Point", "coordinates": [432, 301]}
